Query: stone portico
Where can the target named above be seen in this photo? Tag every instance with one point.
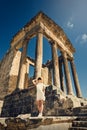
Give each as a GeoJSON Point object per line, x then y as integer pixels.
{"type": "Point", "coordinates": [15, 66]}
{"type": "Point", "coordinates": [17, 97]}
{"type": "Point", "coordinates": [42, 26]}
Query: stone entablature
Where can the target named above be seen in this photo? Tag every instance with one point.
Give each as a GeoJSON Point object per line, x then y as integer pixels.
{"type": "Point", "coordinates": [49, 28]}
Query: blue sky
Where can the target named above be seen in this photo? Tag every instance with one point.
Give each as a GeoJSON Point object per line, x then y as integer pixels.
{"type": "Point", "coordinates": [69, 14]}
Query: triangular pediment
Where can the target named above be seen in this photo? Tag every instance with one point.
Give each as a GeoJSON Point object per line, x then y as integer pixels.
{"type": "Point", "coordinates": [53, 32]}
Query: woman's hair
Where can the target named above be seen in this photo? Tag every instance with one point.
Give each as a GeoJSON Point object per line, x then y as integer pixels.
{"type": "Point", "coordinates": [39, 78]}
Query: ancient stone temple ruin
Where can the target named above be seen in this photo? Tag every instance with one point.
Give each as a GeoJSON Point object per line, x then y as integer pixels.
{"type": "Point", "coordinates": [14, 68]}
{"type": "Point", "coordinates": [17, 93]}
{"type": "Point", "coordinates": [15, 83]}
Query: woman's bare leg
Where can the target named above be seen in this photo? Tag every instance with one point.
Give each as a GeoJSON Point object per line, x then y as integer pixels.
{"type": "Point", "coordinates": [40, 106]}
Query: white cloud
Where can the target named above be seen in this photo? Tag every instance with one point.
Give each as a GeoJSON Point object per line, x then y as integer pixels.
{"type": "Point", "coordinates": [70, 25]}
{"type": "Point", "coordinates": [82, 38]}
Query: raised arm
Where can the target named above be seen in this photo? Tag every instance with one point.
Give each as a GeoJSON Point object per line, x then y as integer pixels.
{"type": "Point", "coordinates": [34, 81]}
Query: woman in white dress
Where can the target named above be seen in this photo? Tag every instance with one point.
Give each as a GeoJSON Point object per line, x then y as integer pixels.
{"type": "Point", "coordinates": [40, 95]}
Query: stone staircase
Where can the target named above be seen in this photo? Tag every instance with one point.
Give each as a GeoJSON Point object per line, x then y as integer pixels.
{"type": "Point", "coordinates": [80, 123]}
{"type": "Point", "coordinates": [80, 111]}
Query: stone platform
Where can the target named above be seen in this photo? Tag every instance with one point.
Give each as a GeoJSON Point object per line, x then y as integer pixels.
{"type": "Point", "coordinates": [27, 122]}
{"type": "Point", "coordinates": [24, 122]}
{"type": "Point", "coordinates": [23, 101]}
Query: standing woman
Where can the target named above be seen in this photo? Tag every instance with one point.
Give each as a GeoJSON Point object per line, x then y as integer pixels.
{"type": "Point", "coordinates": [40, 95]}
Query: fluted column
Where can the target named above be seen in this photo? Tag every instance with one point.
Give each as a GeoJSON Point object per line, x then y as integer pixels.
{"type": "Point", "coordinates": [61, 76]}
{"type": "Point", "coordinates": [67, 74]}
{"type": "Point", "coordinates": [55, 61]}
{"type": "Point", "coordinates": [22, 68]}
{"type": "Point", "coordinates": [39, 54]}
{"type": "Point", "coordinates": [76, 81]}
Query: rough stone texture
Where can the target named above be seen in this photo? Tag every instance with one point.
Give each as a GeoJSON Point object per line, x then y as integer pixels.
{"type": "Point", "coordinates": [80, 123]}
{"type": "Point", "coordinates": [80, 111]}
{"type": "Point", "coordinates": [23, 102]}
{"type": "Point", "coordinates": [12, 83]}
{"type": "Point", "coordinates": [33, 123]}
{"type": "Point", "coordinates": [2, 127]}
{"type": "Point", "coordinates": [25, 122]}
{"type": "Point", "coordinates": [45, 74]}
{"type": "Point", "coordinates": [75, 101]}
{"type": "Point", "coordinates": [18, 102]}
{"type": "Point", "coordinates": [8, 72]}
{"type": "Point", "coordinates": [15, 63]}
{"type": "Point", "coordinates": [1, 105]}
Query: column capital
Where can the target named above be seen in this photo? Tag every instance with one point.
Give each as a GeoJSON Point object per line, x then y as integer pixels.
{"type": "Point", "coordinates": [64, 54]}
{"type": "Point", "coordinates": [72, 60]}
{"type": "Point", "coordinates": [40, 30]}
{"type": "Point", "coordinates": [52, 42]}
{"type": "Point", "coordinates": [25, 42]}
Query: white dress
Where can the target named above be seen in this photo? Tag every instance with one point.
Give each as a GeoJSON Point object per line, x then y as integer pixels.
{"type": "Point", "coordinates": [40, 91]}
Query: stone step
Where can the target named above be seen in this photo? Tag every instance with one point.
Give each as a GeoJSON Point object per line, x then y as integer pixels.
{"type": "Point", "coordinates": [78, 128]}
{"type": "Point", "coordinates": [85, 107]}
{"type": "Point", "coordinates": [79, 124]}
{"type": "Point", "coordinates": [84, 110]}
{"type": "Point", "coordinates": [82, 114]}
{"type": "Point", "coordinates": [80, 110]}
{"type": "Point", "coordinates": [82, 118]}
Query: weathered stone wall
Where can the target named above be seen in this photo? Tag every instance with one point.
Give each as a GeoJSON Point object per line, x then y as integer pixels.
{"type": "Point", "coordinates": [1, 105]}
{"type": "Point", "coordinates": [44, 74]}
{"type": "Point", "coordinates": [23, 102]}
{"type": "Point", "coordinates": [8, 72]}
{"type": "Point", "coordinates": [18, 102]}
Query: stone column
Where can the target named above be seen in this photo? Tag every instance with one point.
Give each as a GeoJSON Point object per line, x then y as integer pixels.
{"type": "Point", "coordinates": [39, 54]}
{"type": "Point", "coordinates": [61, 76]}
{"type": "Point", "coordinates": [67, 75]}
{"type": "Point", "coordinates": [49, 75]}
{"type": "Point", "coordinates": [26, 83]}
{"type": "Point", "coordinates": [75, 77]}
{"type": "Point", "coordinates": [22, 68]}
{"type": "Point", "coordinates": [55, 62]}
